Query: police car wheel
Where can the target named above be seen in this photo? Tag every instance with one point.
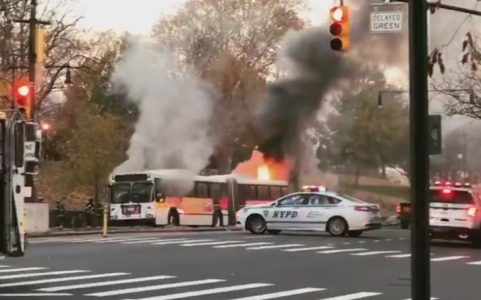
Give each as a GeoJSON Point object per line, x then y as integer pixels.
{"type": "Point", "coordinates": [337, 226]}
{"type": "Point", "coordinates": [257, 225]}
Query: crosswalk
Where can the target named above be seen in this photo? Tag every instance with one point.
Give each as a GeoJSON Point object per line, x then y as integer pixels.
{"type": "Point", "coordinates": [124, 285]}
{"type": "Point", "coordinates": [358, 249]}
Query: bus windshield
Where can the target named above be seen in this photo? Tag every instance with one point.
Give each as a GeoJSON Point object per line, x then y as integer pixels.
{"type": "Point", "coordinates": [142, 192]}
{"type": "Point", "coordinates": [120, 193]}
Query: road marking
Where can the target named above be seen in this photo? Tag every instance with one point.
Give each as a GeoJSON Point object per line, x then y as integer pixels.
{"type": "Point", "coordinates": [354, 296]}
{"type": "Point", "coordinates": [210, 243]}
{"type": "Point", "coordinates": [155, 287]}
{"type": "Point", "coordinates": [181, 242]}
{"type": "Point", "coordinates": [258, 237]}
{"type": "Point", "coordinates": [153, 241]}
{"type": "Point", "coordinates": [21, 269]}
{"type": "Point", "coordinates": [399, 255]}
{"type": "Point", "coordinates": [209, 291]}
{"type": "Point", "coordinates": [475, 263]}
{"type": "Point", "coordinates": [104, 283]}
{"type": "Point", "coordinates": [341, 250]}
{"type": "Point", "coordinates": [4, 266]}
{"type": "Point", "coordinates": [41, 274]}
{"type": "Point", "coordinates": [448, 258]}
{"type": "Point", "coordinates": [32, 282]}
{"type": "Point", "coordinates": [36, 295]}
{"type": "Point", "coordinates": [374, 253]}
{"type": "Point", "coordinates": [388, 240]}
{"type": "Point", "coordinates": [347, 243]}
{"type": "Point", "coordinates": [119, 240]}
{"type": "Point", "coordinates": [362, 242]}
{"type": "Point", "coordinates": [275, 246]}
{"type": "Point", "coordinates": [243, 245]}
{"type": "Point", "coordinates": [376, 241]}
{"type": "Point", "coordinates": [402, 238]}
{"type": "Point", "coordinates": [308, 248]}
{"type": "Point", "coordinates": [281, 294]}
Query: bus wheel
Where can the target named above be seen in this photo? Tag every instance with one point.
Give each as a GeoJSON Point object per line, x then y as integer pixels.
{"type": "Point", "coordinates": [256, 225]}
{"type": "Point", "coordinates": [217, 219]}
{"type": "Point", "coordinates": [173, 218]}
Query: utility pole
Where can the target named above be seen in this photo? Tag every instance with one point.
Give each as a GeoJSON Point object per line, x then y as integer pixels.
{"type": "Point", "coordinates": [32, 55]}
{"type": "Point", "coordinates": [419, 113]}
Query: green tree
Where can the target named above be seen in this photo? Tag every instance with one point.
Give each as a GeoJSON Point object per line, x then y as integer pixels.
{"type": "Point", "coordinates": [359, 135]}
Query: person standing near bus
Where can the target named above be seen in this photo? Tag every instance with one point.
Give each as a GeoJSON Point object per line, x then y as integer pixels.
{"type": "Point", "coordinates": [60, 212]}
{"type": "Point", "coordinates": [89, 212]}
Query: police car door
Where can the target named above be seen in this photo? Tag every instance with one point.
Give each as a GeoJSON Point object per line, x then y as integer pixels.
{"type": "Point", "coordinates": [288, 213]}
{"type": "Point", "coordinates": [319, 209]}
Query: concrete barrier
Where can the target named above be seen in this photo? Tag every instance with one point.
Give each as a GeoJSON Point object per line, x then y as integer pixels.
{"type": "Point", "coordinates": [37, 217]}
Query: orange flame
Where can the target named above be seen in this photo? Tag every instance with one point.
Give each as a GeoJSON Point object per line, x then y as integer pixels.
{"type": "Point", "coordinates": [264, 169]}
{"type": "Point", "coordinates": [263, 172]}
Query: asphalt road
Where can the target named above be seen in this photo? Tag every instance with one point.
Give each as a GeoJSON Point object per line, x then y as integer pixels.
{"type": "Point", "coordinates": [235, 265]}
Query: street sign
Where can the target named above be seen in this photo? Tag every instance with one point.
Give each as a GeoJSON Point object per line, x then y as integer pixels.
{"type": "Point", "coordinates": [435, 135]}
{"type": "Point", "coordinates": [387, 18]}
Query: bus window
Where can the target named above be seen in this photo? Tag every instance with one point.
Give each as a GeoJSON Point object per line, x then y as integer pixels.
{"type": "Point", "coordinates": [215, 191]}
{"type": "Point", "coordinates": [249, 192]}
{"type": "Point", "coordinates": [120, 193]}
{"type": "Point", "coordinates": [263, 192]}
{"type": "Point", "coordinates": [142, 192]}
{"type": "Point", "coordinates": [276, 192]}
{"type": "Point", "coordinates": [201, 190]}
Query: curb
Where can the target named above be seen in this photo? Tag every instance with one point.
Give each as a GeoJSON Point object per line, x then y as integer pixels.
{"type": "Point", "coordinates": [130, 230]}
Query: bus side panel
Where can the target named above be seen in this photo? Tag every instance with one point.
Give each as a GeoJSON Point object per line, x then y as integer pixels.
{"type": "Point", "coordinates": [234, 197]}
{"type": "Point", "coordinates": [162, 209]}
{"type": "Point", "coordinates": [196, 211]}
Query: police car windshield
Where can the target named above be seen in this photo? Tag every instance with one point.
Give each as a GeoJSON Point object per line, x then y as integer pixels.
{"type": "Point", "coordinates": [120, 193]}
{"type": "Point", "coordinates": [450, 196]}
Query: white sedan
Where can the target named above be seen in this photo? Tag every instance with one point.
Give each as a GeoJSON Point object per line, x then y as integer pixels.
{"type": "Point", "coordinates": [319, 211]}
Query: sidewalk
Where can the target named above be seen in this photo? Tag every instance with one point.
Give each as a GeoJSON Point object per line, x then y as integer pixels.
{"type": "Point", "coordinates": [54, 232]}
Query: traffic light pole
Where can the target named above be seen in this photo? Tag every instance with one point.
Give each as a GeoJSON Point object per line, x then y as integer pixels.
{"type": "Point", "coordinates": [32, 56]}
{"type": "Point", "coordinates": [419, 112]}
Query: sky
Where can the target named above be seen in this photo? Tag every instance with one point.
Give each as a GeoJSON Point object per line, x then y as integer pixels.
{"type": "Point", "coordinates": [138, 16]}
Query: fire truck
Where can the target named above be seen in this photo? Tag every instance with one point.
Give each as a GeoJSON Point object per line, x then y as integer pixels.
{"type": "Point", "coordinates": [20, 154]}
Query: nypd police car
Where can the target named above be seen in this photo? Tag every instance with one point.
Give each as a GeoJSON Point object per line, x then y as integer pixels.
{"type": "Point", "coordinates": [318, 211]}
{"type": "Point", "coordinates": [455, 212]}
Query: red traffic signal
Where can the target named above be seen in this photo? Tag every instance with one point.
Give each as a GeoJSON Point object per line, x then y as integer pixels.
{"type": "Point", "coordinates": [339, 28]}
{"type": "Point", "coordinates": [22, 93]}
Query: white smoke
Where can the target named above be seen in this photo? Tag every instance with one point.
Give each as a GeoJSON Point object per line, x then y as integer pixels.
{"type": "Point", "coordinates": [175, 108]}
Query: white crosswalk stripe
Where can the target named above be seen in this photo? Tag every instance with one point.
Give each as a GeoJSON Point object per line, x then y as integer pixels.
{"type": "Point", "coordinates": [399, 255]}
{"type": "Point", "coordinates": [34, 282]}
{"type": "Point", "coordinates": [21, 269]}
{"type": "Point", "coordinates": [341, 250]}
{"type": "Point", "coordinates": [28, 275]}
{"type": "Point", "coordinates": [153, 241]}
{"type": "Point", "coordinates": [374, 253]}
{"type": "Point", "coordinates": [209, 291]}
{"type": "Point", "coordinates": [354, 296]}
{"type": "Point", "coordinates": [281, 294]}
{"type": "Point", "coordinates": [155, 287]}
{"type": "Point", "coordinates": [446, 258]}
{"type": "Point", "coordinates": [475, 263]}
{"type": "Point", "coordinates": [182, 242]}
{"type": "Point", "coordinates": [4, 266]}
{"type": "Point", "coordinates": [43, 295]}
{"type": "Point", "coordinates": [243, 245]}
{"type": "Point", "coordinates": [308, 248]}
{"type": "Point", "coordinates": [119, 240]}
{"type": "Point", "coordinates": [210, 243]}
{"type": "Point", "coordinates": [275, 246]}
{"type": "Point", "coordinates": [104, 283]}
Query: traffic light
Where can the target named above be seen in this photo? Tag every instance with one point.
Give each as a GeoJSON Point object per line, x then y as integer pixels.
{"type": "Point", "coordinates": [22, 94]}
{"type": "Point", "coordinates": [339, 28]}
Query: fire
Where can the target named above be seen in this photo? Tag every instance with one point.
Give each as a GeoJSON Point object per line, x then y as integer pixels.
{"type": "Point", "coordinates": [263, 172]}
{"type": "Point", "coordinates": [259, 167]}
